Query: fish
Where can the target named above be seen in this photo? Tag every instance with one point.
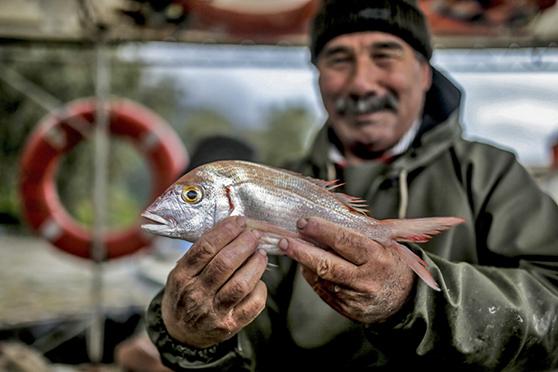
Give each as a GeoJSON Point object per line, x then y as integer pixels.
{"type": "Point", "coordinates": [272, 200]}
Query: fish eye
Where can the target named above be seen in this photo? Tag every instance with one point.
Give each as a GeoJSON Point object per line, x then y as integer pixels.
{"type": "Point", "coordinates": [191, 194]}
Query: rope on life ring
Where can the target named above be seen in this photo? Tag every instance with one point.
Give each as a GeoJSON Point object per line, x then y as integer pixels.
{"type": "Point", "coordinates": [57, 134]}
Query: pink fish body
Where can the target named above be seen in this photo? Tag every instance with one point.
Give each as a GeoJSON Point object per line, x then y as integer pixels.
{"type": "Point", "coordinates": [273, 200]}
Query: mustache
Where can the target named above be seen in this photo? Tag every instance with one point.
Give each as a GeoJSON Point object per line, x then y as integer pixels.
{"type": "Point", "coordinates": [367, 104]}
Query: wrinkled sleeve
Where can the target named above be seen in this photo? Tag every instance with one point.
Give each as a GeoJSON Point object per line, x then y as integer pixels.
{"type": "Point", "coordinates": [232, 355]}
{"type": "Point", "coordinates": [501, 316]}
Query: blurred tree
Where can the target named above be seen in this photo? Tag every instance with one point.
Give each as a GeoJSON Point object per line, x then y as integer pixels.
{"type": "Point", "coordinates": [287, 135]}
{"type": "Point", "coordinates": [203, 123]}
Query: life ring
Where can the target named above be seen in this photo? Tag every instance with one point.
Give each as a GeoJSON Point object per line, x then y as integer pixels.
{"type": "Point", "coordinates": [57, 134]}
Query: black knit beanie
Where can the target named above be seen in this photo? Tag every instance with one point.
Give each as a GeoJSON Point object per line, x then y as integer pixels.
{"type": "Point", "coordinates": [401, 18]}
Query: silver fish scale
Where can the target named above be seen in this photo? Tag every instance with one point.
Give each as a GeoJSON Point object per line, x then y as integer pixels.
{"type": "Point", "coordinates": [281, 198]}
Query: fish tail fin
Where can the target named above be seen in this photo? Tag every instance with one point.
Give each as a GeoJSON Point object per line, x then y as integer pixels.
{"type": "Point", "coordinates": [418, 230]}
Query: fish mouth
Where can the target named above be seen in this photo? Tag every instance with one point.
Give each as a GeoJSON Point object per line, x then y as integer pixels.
{"type": "Point", "coordinates": [163, 226]}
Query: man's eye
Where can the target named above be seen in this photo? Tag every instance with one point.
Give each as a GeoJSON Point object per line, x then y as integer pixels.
{"type": "Point", "coordinates": [382, 56]}
{"type": "Point", "coordinates": [386, 55]}
{"type": "Point", "coordinates": [337, 62]}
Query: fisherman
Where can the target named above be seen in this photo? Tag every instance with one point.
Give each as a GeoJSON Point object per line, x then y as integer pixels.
{"type": "Point", "coordinates": [393, 138]}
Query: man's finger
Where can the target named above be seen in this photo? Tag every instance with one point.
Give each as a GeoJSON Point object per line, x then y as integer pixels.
{"type": "Point", "coordinates": [348, 243]}
{"type": "Point", "coordinates": [327, 265]}
{"type": "Point", "coordinates": [327, 290]}
{"type": "Point", "coordinates": [227, 260]}
{"type": "Point", "coordinates": [205, 248]}
{"type": "Point", "coordinates": [252, 305]}
{"type": "Point", "coordinates": [242, 283]}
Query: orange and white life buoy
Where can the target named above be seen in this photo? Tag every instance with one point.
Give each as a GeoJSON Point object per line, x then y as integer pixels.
{"type": "Point", "coordinates": [60, 132]}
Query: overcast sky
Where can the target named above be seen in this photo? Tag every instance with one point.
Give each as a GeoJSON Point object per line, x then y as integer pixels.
{"type": "Point", "coordinates": [511, 96]}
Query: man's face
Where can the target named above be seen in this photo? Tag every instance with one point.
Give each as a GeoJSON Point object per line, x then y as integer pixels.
{"type": "Point", "coordinates": [373, 88]}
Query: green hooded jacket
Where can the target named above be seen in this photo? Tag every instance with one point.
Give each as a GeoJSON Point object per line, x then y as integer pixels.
{"type": "Point", "coordinates": [498, 271]}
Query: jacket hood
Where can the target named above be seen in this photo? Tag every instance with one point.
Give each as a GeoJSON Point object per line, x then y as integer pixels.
{"type": "Point", "coordinates": [443, 98]}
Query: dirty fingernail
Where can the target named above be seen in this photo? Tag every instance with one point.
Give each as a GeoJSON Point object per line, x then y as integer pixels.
{"type": "Point", "coordinates": [284, 244]}
{"type": "Point", "coordinates": [301, 224]}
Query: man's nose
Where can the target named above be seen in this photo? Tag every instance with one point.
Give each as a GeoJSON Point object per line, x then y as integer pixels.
{"type": "Point", "coordinates": [365, 79]}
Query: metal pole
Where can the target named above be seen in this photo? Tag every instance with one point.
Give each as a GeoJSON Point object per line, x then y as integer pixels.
{"type": "Point", "coordinates": [98, 249]}
{"type": "Point", "coordinates": [42, 98]}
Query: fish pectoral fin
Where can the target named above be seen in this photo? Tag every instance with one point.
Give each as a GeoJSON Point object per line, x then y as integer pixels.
{"type": "Point", "coordinates": [271, 235]}
{"type": "Point", "coordinates": [271, 230]}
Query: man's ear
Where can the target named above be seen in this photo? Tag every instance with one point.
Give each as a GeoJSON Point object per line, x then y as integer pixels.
{"type": "Point", "coordinates": [427, 74]}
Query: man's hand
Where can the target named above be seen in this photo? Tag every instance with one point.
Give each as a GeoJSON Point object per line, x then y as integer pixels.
{"type": "Point", "coordinates": [215, 289]}
{"type": "Point", "coordinates": [355, 275]}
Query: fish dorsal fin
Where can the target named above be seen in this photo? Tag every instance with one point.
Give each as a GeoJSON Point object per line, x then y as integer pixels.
{"type": "Point", "coordinates": [352, 202]}
{"type": "Point", "coordinates": [328, 185]}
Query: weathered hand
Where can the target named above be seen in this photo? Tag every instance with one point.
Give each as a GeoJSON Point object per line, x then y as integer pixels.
{"type": "Point", "coordinates": [215, 289]}
{"type": "Point", "coordinates": [355, 275]}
